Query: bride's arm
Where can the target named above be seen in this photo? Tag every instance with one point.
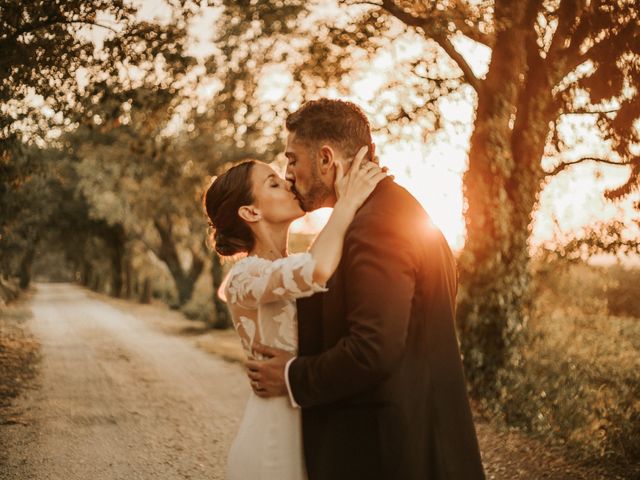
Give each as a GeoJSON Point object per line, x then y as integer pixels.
{"type": "Point", "coordinates": [256, 281]}
{"type": "Point", "coordinates": [352, 190]}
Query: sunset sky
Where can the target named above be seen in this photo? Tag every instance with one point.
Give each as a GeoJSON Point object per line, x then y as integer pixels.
{"type": "Point", "coordinates": [432, 171]}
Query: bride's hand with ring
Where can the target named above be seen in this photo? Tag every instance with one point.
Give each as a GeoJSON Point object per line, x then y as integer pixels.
{"type": "Point", "coordinates": [354, 187]}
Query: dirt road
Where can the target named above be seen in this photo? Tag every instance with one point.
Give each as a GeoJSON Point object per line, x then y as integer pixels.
{"type": "Point", "coordinates": [117, 398]}
{"type": "Point", "coordinates": [129, 391]}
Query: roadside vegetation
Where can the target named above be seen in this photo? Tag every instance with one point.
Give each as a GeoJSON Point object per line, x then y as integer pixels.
{"type": "Point", "coordinates": [19, 355]}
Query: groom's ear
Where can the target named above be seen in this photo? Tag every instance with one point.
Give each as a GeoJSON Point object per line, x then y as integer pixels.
{"type": "Point", "coordinates": [249, 213]}
{"type": "Point", "coordinates": [327, 159]}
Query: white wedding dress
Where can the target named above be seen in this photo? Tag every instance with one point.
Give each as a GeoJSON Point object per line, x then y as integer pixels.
{"type": "Point", "coordinates": [261, 297]}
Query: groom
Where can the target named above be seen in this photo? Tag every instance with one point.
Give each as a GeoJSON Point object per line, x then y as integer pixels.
{"type": "Point", "coordinates": [378, 376]}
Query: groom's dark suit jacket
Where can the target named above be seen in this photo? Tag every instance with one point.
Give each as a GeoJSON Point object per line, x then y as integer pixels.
{"type": "Point", "coordinates": [379, 374]}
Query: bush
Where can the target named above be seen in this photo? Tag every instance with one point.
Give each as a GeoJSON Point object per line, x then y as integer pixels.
{"type": "Point", "coordinates": [9, 291]}
{"type": "Point", "coordinates": [623, 295]}
{"type": "Point", "coordinates": [197, 309]}
{"type": "Point", "coordinates": [578, 378]}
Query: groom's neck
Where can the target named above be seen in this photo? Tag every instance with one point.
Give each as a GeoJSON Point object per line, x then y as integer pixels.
{"type": "Point", "coordinates": [330, 201]}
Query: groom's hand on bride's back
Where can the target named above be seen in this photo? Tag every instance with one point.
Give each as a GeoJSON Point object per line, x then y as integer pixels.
{"type": "Point", "coordinates": [267, 376]}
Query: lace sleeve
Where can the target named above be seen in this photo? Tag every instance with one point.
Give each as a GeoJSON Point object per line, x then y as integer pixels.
{"type": "Point", "coordinates": [255, 281]}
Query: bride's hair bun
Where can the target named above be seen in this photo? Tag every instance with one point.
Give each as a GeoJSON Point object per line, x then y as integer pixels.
{"type": "Point", "coordinates": [227, 246]}
{"type": "Point", "coordinates": [222, 200]}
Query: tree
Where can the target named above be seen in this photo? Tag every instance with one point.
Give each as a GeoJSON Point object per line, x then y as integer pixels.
{"type": "Point", "coordinates": [19, 239]}
{"type": "Point", "coordinates": [138, 175]}
{"type": "Point", "coordinates": [47, 49]}
{"type": "Point", "coordinates": [550, 60]}
{"type": "Point", "coordinates": [57, 61]}
{"type": "Point", "coordinates": [133, 186]}
{"type": "Point", "coordinates": [238, 121]}
{"type": "Point", "coordinates": [138, 182]}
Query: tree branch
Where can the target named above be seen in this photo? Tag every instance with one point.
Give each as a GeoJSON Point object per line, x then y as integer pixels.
{"type": "Point", "coordinates": [568, 13]}
{"type": "Point", "coordinates": [571, 57]}
{"type": "Point", "coordinates": [361, 2]}
{"type": "Point", "coordinates": [565, 165]}
{"type": "Point", "coordinates": [463, 27]}
{"type": "Point", "coordinates": [474, 34]}
{"type": "Point", "coordinates": [461, 14]}
{"type": "Point", "coordinates": [457, 57]}
{"type": "Point", "coordinates": [437, 79]}
{"type": "Point", "coordinates": [440, 38]}
{"type": "Point", "coordinates": [56, 21]}
{"type": "Point", "coordinates": [584, 111]}
{"type": "Point", "coordinates": [602, 45]}
{"type": "Point", "coordinates": [404, 16]}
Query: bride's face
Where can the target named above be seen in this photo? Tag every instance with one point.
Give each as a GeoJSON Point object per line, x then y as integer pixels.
{"type": "Point", "coordinates": [273, 196]}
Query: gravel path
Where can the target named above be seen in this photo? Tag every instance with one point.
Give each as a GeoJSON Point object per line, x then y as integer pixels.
{"type": "Point", "coordinates": [117, 398]}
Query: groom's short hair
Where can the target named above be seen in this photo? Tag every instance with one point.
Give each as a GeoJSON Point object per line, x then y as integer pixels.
{"type": "Point", "coordinates": [328, 120]}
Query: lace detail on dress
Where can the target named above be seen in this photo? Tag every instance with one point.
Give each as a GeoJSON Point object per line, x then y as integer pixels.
{"type": "Point", "coordinates": [254, 280]}
{"type": "Point", "coordinates": [261, 295]}
{"type": "Point", "coordinates": [249, 331]}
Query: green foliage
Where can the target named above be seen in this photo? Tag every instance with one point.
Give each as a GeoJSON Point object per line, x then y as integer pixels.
{"type": "Point", "coordinates": [47, 47]}
{"type": "Point", "coordinates": [66, 58]}
{"type": "Point", "coordinates": [9, 291]}
{"type": "Point", "coordinates": [612, 238]}
{"type": "Point", "coordinates": [324, 48]}
{"type": "Point", "coordinates": [200, 306]}
{"type": "Point", "coordinates": [622, 293]}
{"type": "Point", "coordinates": [112, 183]}
{"type": "Point", "coordinates": [578, 382]}
{"type": "Point", "coordinates": [130, 173]}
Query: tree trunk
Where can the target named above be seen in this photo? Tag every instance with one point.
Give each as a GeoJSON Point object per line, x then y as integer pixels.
{"type": "Point", "coordinates": [502, 188]}
{"type": "Point", "coordinates": [222, 316]}
{"type": "Point", "coordinates": [85, 273]}
{"type": "Point", "coordinates": [117, 241]}
{"type": "Point", "coordinates": [95, 282]}
{"type": "Point", "coordinates": [145, 293]}
{"type": "Point", "coordinates": [24, 271]}
{"type": "Point", "coordinates": [185, 281]}
{"type": "Point", "coordinates": [128, 279]}
{"type": "Point", "coordinates": [493, 266]}
{"type": "Point", "coordinates": [168, 253]}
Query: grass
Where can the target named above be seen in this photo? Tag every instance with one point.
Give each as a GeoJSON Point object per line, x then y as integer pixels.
{"type": "Point", "coordinates": [579, 384]}
{"type": "Point", "coordinates": [19, 354]}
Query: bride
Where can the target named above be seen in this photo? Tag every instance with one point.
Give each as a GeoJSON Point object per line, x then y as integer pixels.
{"type": "Point", "coordinates": [251, 208]}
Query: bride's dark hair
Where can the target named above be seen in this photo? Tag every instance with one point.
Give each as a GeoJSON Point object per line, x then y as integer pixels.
{"type": "Point", "coordinates": [226, 194]}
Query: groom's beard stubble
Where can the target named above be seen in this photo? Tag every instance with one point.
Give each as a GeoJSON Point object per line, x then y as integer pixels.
{"type": "Point", "coordinates": [317, 194]}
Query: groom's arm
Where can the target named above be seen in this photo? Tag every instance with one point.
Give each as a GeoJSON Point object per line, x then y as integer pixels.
{"type": "Point", "coordinates": [379, 283]}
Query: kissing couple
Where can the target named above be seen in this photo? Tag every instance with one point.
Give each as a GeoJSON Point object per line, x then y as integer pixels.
{"type": "Point", "coordinates": [353, 357]}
